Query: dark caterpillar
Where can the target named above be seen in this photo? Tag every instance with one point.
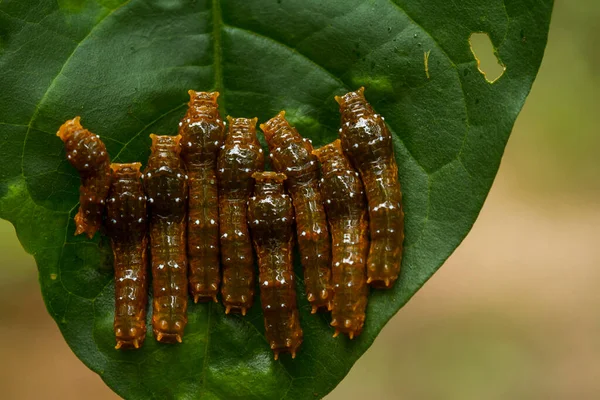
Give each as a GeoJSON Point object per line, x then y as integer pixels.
{"type": "Point", "coordinates": [292, 155]}
{"type": "Point", "coordinates": [165, 184]}
{"type": "Point", "coordinates": [87, 153]}
{"type": "Point", "coordinates": [240, 157]}
{"type": "Point", "coordinates": [346, 210]}
{"type": "Point", "coordinates": [368, 143]}
{"type": "Point", "coordinates": [202, 132]}
{"type": "Point", "coordinates": [126, 225]}
{"type": "Point", "coordinates": [270, 216]}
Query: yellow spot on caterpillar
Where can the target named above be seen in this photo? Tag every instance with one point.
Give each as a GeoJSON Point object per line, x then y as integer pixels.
{"type": "Point", "coordinates": [426, 61]}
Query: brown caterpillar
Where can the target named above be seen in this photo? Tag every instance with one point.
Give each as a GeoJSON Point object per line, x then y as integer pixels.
{"type": "Point", "coordinates": [202, 132]}
{"type": "Point", "coordinates": [165, 184]}
{"type": "Point", "coordinates": [126, 225]}
{"type": "Point", "coordinates": [87, 153]}
{"type": "Point", "coordinates": [292, 155]}
{"type": "Point", "coordinates": [346, 210]}
{"type": "Point", "coordinates": [239, 158]}
{"type": "Point", "coordinates": [270, 216]}
{"type": "Point", "coordinates": [368, 143]}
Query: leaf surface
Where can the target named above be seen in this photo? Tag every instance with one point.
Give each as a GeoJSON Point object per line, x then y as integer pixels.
{"type": "Point", "coordinates": [125, 66]}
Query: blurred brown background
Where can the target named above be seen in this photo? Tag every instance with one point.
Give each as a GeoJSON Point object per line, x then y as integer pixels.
{"type": "Point", "coordinates": [513, 314]}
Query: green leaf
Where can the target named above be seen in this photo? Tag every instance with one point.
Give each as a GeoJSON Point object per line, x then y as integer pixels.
{"type": "Point", "coordinates": [125, 66]}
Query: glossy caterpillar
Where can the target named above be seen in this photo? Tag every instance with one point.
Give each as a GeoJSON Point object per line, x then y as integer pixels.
{"type": "Point", "coordinates": [270, 216]}
{"type": "Point", "coordinates": [346, 210]}
{"type": "Point", "coordinates": [165, 184]}
{"type": "Point", "coordinates": [126, 225]}
{"type": "Point", "coordinates": [239, 158]}
{"type": "Point", "coordinates": [202, 132]}
{"type": "Point", "coordinates": [87, 153]}
{"type": "Point", "coordinates": [368, 143]}
{"type": "Point", "coordinates": [292, 155]}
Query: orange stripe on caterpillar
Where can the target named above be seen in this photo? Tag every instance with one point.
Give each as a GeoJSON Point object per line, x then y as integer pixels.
{"type": "Point", "coordinates": [239, 158]}
{"type": "Point", "coordinates": [270, 216]}
{"type": "Point", "coordinates": [126, 225]}
{"type": "Point", "coordinates": [202, 133]}
{"type": "Point", "coordinates": [346, 209]}
{"type": "Point", "coordinates": [292, 155]}
{"type": "Point", "coordinates": [87, 153]}
{"type": "Point", "coordinates": [165, 184]}
{"type": "Point", "coordinates": [368, 143]}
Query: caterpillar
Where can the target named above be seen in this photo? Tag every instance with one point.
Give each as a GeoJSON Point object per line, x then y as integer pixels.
{"type": "Point", "coordinates": [346, 210]}
{"type": "Point", "coordinates": [367, 141]}
{"type": "Point", "coordinates": [239, 158]}
{"type": "Point", "coordinates": [126, 225]}
{"type": "Point", "coordinates": [87, 153]}
{"type": "Point", "coordinates": [270, 216]}
{"type": "Point", "coordinates": [165, 184]}
{"type": "Point", "coordinates": [202, 132]}
{"type": "Point", "coordinates": [292, 155]}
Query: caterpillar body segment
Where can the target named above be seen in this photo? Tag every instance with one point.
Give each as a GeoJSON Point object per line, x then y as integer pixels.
{"type": "Point", "coordinates": [87, 153]}
{"type": "Point", "coordinates": [368, 143]}
{"type": "Point", "coordinates": [346, 209]}
{"type": "Point", "coordinates": [291, 154]}
{"type": "Point", "coordinates": [165, 184]}
{"type": "Point", "coordinates": [126, 225]}
{"type": "Point", "coordinates": [270, 217]}
{"type": "Point", "coordinates": [202, 133]}
{"type": "Point", "coordinates": [239, 158]}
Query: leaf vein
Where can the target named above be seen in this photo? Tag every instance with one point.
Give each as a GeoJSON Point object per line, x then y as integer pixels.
{"type": "Point", "coordinates": [53, 82]}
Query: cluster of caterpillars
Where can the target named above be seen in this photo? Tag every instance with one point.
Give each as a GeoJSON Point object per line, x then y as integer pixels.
{"type": "Point", "coordinates": [205, 209]}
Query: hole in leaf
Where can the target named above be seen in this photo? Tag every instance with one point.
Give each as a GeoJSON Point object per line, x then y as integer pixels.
{"type": "Point", "coordinates": [488, 62]}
